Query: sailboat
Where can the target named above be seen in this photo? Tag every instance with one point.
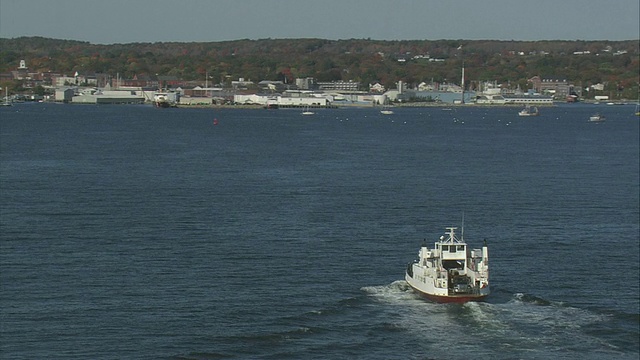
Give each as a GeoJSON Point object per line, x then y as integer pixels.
{"type": "Point", "coordinates": [307, 111]}
{"type": "Point", "coordinates": [6, 101]}
{"type": "Point", "coordinates": [385, 109]}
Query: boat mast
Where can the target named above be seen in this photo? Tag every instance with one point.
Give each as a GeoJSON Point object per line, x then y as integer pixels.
{"type": "Point", "coordinates": [462, 81]}
{"type": "Point", "coordinates": [452, 236]}
{"type": "Point", "coordinates": [462, 101]}
{"type": "Point", "coordinates": [462, 231]}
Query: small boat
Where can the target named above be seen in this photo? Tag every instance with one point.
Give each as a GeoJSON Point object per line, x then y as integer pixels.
{"type": "Point", "coordinates": [6, 101]}
{"type": "Point", "coordinates": [451, 272]}
{"type": "Point", "coordinates": [386, 110]}
{"type": "Point", "coordinates": [529, 111]}
{"type": "Point", "coordinates": [597, 118]}
{"type": "Point", "coordinates": [307, 111]}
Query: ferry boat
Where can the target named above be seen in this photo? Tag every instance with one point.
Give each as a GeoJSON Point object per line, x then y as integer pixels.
{"type": "Point", "coordinates": [165, 99]}
{"type": "Point", "coordinates": [450, 272]}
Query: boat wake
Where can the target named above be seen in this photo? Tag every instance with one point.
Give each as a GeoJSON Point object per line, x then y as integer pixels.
{"type": "Point", "coordinates": [395, 288]}
{"type": "Point", "coordinates": [524, 323]}
{"type": "Point", "coordinates": [525, 298]}
{"type": "Point", "coordinates": [518, 325]}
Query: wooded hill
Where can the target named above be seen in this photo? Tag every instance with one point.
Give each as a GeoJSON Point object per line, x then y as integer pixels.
{"type": "Point", "coordinates": [583, 63]}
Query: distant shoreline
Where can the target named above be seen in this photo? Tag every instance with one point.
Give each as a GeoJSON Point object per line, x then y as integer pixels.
{"type": "Point", "coordinates": [345, 106]}
{"type": "Point", "coordinates": [350, 106]}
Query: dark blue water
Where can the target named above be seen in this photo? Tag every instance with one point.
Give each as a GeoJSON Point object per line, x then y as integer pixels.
{"type": "Point", "coordinates": [129, 232]}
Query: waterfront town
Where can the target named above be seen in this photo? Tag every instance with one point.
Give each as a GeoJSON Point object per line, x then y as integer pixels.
{"type": "Point", "coordinates": [87, 87]}
{"type": "Point", "coordinates": [306, 92]}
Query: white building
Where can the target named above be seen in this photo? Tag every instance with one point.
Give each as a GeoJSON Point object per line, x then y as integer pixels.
{"type": "Point", "coordinates": [279, 100]}
{"type": "Point", "coordinates": [377, 88]}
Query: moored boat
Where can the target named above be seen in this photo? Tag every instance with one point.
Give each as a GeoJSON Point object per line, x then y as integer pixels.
{"type": "Point", "coordinates": [6, 101]}
{"type": "Point", "coordinates": [450, 272]}
{"type": "Point", "coordinates": [529, 111]}
{"type": "Point", "coordinates": [307, 111]}
{"type": "Point", "coordinates": [597, 118]}
{"type": "Point", "coordinates": [386, 110]}
{"type": "Point", "coordinates": [166, 99]}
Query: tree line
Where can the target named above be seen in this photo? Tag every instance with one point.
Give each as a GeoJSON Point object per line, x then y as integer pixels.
{"type": "Point", "coordinates": [583, 63]}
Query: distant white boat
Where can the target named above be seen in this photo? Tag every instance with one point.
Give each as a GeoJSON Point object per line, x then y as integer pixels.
{"type": "Point", "coordinates": [6, 101]}
{"type": "Point", "coordinates": [386, 110]}
{"type": "Point", "coordinates": [597, 118]}
{"type": "Point", "coordinates": [165, 99]}
{"type": "Point", "coordinates": [307, 111]}
{"type": "Point", "coordinates": [529, 111]}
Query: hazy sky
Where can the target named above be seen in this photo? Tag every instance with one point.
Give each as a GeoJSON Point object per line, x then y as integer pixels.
{"type": "Point", "coordinates": [126, 21]}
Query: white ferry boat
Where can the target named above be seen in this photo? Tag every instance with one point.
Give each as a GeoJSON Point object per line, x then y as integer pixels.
{"type": "Point", "coordinates": [165, 99]}
{"type": "Point", "coordinates": [450, 272]}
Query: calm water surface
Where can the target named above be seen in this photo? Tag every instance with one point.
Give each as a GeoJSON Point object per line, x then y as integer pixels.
{"type": "Point", "coordinates": [143, 233]}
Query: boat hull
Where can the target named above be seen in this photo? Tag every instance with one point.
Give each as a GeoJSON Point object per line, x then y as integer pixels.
{"type": "Point", "coordinates": [443, 297]}
{"type": "Point", "coordinates": [459, 299]}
